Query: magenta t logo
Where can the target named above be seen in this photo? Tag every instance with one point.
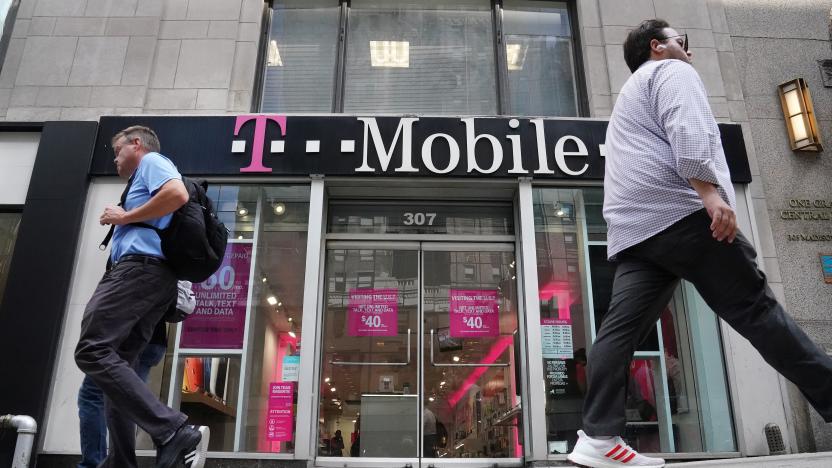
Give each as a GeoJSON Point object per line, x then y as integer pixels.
{"type": "Point", "coordinates": [259, 143]}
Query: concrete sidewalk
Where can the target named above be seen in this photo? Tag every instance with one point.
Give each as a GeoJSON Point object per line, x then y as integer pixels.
{"type": "Point", "coordinates": [801, 460]}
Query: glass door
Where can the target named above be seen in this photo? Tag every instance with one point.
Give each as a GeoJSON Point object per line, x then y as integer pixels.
{"type": "Point", "coordinates": [418, 355]}
{"type": "Point", "coordinates": [471, 394]}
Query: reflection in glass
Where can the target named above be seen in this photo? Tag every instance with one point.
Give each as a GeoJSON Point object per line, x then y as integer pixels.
{"type": "Point", "coordinates": [267, 233]}
{"type": "Point", "coordinates": [402, 217]}
{"type": "Point", "coordinates": [300, 56]}
{"type": "Point", "coordinates": [431, 56]}
{"type": "Point", "coordinates": [565, 333]}
{"type": "Point", "coordinates": [369, 402]}
{"type": "Point", "coordinates": [677, 378]}
{"type": "Point", "coordinates": [539, 55]}
{"type": "Point", "coordinates": [9, 223]}
{"type": "Point", "coordinates": [472, 406]}
{"type": "Point", "coordinates": [276, 313]}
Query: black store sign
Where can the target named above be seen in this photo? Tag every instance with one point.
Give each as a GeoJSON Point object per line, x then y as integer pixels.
{"type": "Point", "coordinates": [406, 146]}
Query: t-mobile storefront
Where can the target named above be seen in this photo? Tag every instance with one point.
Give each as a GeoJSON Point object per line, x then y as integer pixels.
{"type": "Point", "coordinates": [403, 291]}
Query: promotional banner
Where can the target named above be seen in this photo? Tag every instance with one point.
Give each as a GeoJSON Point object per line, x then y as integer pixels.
{"type": "Point", "coordinates": [219, 319]}
{"type": "Point", "coordinates": [280, 418]}
{"type": "Point", "coordinates": [556, 338]}
{"type": "Point", "coordinates": [373, 312]}
{"type": "Point", "coordinates": [473, 313]}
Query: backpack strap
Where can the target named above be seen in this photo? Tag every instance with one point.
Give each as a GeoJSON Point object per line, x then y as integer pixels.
{"type": "Point", "coordinates": [109, 236]}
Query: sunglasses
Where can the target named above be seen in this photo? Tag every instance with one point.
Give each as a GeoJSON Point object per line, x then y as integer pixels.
{"type": "Point", "coordinates": [684, 42]}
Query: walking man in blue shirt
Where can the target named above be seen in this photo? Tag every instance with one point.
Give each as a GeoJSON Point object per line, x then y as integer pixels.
{"type": "Point", "coordinates": [670, 211]}
{"type": "Point", "coordinates": [129, 301]}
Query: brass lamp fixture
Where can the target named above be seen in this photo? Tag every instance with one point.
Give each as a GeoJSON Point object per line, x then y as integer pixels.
{"type": "Point", "coordinates": [800, 115]}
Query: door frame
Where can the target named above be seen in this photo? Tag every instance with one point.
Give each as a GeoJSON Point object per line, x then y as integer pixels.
{"type": "Point", "coordinates": [421, 244]}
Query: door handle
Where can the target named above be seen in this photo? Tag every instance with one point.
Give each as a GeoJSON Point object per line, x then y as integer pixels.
{"type": "Point", "coordinates": [358, 363]}
{"type": "Point", "coordinates": [444, 364]}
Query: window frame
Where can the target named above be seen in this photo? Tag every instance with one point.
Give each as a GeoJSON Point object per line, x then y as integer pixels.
{"type": "Point", "coordinates": [502, 96]}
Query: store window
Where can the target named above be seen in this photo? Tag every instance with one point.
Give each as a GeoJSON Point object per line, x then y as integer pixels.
{"type": "Point", "coordinates": [236, 361]}
{"type": "Point", "coordinates": [540, 58]}
{"type": "Point", "coordinates": [677, 397]}
{"type": "Point", "coordinates": [432, 56]}
{"type": "Point", "coordinates": [9, 223]}
{"type": "Point", "coordinates": [300, 56]}
{"type": "Point", "coordinates": [422, 57]}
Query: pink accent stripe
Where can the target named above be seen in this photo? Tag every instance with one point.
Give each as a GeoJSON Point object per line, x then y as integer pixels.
{"type": "Point", "coordinates": [632, 455]}
{"type": "Point", "coordinates": [612, 452]}
{"type": "Point", "coordinates": [623, 453]}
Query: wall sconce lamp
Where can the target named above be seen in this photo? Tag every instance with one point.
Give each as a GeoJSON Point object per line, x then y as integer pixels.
{"type": "Point", "coordinates": [799, 115]}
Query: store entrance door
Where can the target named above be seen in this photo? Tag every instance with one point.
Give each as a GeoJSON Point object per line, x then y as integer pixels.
{"type": "Point", "coordinates": [419, 356]}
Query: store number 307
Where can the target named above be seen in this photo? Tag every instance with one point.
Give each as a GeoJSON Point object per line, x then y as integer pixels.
{"type": "Point", "coordinates": [418, 219]}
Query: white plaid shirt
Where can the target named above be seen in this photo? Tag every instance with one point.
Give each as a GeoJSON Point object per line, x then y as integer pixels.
{"type": "Point", "coordinates": [661, 134]}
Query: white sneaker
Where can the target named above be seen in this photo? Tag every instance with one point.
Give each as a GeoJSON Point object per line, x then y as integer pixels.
{"type": "Point", "coordinates": [608, 453]}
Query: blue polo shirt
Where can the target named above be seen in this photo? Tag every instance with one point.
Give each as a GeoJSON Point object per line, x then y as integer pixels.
{"type": "Point", "coordinates": [153, 172]}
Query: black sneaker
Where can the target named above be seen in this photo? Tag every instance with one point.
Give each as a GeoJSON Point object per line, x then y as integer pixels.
{"type": "Point", "coordinates": [187, 446]}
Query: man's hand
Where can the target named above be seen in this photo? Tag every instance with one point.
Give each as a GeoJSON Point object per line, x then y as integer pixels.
{"type": "Point", "coordinates": [113, 215]}
{"type": "Point", "coordinates": [723, 218]}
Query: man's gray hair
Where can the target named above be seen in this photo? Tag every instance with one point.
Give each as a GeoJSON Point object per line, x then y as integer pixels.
{"type": "Point", "coordinates": [147, 136]}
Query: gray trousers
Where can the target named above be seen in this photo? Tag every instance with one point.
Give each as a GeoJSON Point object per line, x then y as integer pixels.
{"type": "Point", "coordinates": [728, 279]}
{"type": "Point", "coordinates": [118, 322]}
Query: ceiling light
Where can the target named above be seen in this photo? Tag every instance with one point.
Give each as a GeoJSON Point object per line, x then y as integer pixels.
{"type": "Point", "coordinates": [279, 208]}
{"type": "Point", "coordinates": [431, 398]}
{"type": "Point", "coordinates": [242, 212]}
{"type": "Point", "coordinates": [264, 279]}
{"type": "Point", "coordinates": [332, 389]}
{"type": "Point", "coordinates": [516, 56]}
{"type": "Point", "coordinates": [390, 54]}
{"type": "Point", "coordinates": [279, 304]}
{"type": "Point", "coordinates": [271, 300]}
{"type": "Point", "coordinates": [292, 334]}
{"type": "Point", "coordinates": [274, 59]}
{"type": "Point", "coordinates": [289, 319]}
{"type": "Point", "coordinates": [240, 237]}
{"type": "Point", "coordinates": [442, 383]}
{"type": "Point", "coordinates": [456, 358]}
{"type": "Point", "coordinates": [326, 380]}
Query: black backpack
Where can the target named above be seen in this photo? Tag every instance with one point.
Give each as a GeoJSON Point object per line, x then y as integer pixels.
{"type": "Point", "coordinates": [194, 241]}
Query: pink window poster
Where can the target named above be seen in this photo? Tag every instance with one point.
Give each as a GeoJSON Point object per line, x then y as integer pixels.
{"type": "Point", "coordinates": [373, 312]}
{"type": "Point", "coordinates": [219, 318]}
{"type": "Point", "coordinates": [473, 313]}
{"type": "Point", "coordinates": [280, 417]}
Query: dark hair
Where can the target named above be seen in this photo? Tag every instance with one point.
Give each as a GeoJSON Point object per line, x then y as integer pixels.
{"type": "Point", "coordinates": [637, 44]}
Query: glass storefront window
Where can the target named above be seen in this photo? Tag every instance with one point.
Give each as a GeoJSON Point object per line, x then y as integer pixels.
{"type": "Point", "coordinates": [300, 56]}
{"type": "Point", "coordinates": [432, 57]}
{"type": "Point", "coordinates": [9, 223]}
{"type": "Point", "coordinates": [540, 58]}
{"type": "Point", "coordinates": [236, 362]}
{"type": "Point", "coordinates": [677, 400]}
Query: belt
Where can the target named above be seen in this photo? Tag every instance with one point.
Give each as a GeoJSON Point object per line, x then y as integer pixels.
{"type": "Point", "coordinates": [133, 258]}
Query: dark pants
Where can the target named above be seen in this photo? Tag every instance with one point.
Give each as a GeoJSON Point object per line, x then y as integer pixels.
{"type": "Point", "coordinates": [91, 417]}
{"type": "Point", "coordinates": [728, 279]}
{"type": "Point", "coordinates": [118, 322]}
